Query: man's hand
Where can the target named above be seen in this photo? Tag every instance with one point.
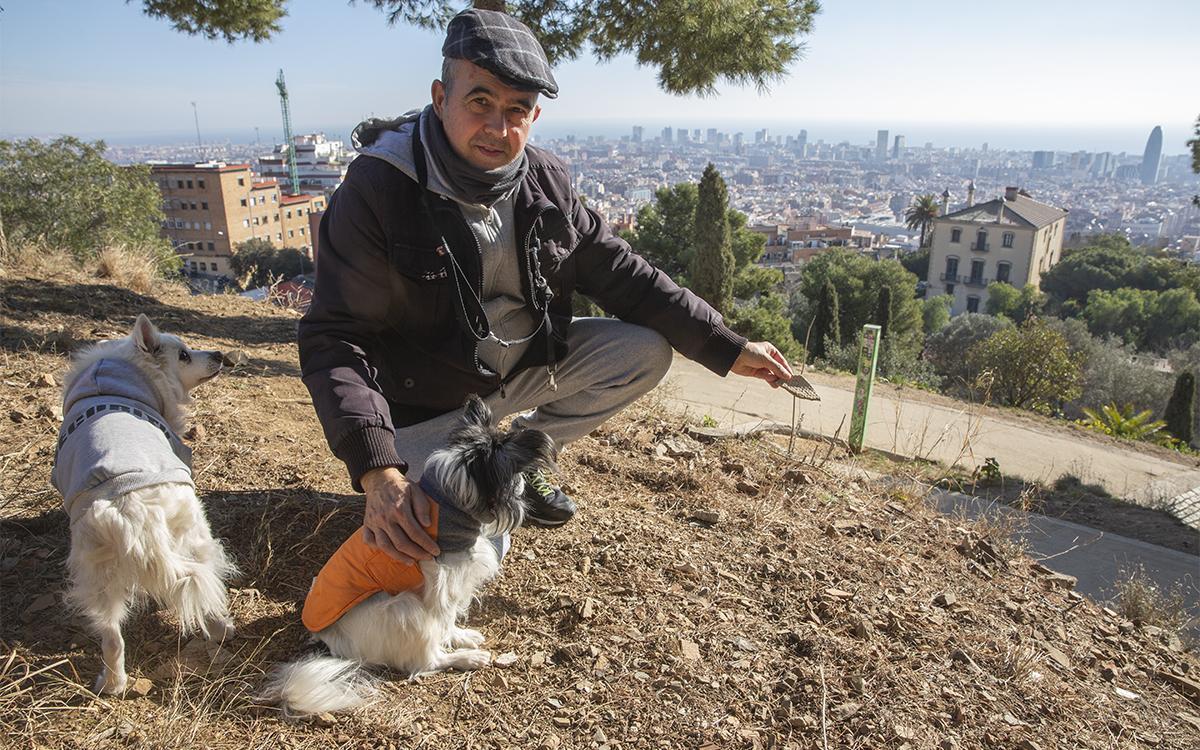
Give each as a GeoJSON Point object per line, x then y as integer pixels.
{"type": "Point", "coordinates": [396, 513]}
{"type": "Point", "coordinates": [760, 359]}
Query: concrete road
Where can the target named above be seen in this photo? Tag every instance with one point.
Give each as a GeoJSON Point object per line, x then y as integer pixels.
{"type": "Point", "coordinates": [949, 435]}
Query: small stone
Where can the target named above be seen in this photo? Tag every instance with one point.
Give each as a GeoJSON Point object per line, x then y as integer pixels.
{"type": "Point", "coordinates": [196, 433]}
{"type": "Point", "coordinates": [549, 742]}
{"type": "Point", "coordinates": [1030, 745]}
{"type": "Point", "coordinates": [1058, 657]}
{"type": "Point", "coordinates": [845, 711]}
{"type": "Point", "coordinates": [325, 719]}
{"type": "Point", "coordinates": [797, 477]}
{"type": "Point", "coordinates": [744, 644]}
{"type": "Point", "coordinates": [746, 487]}
{"type": "Point", "coordinates": [505, 660]}
{"type": "Point", "coordinates": [588, 609]}
{"type": "Point", "coordinates": [1109, 671]}
{"type": "Point", "coordinates": [689, 650]}
{"type": "Point", "coordinates": [140, 687]}
{"type": "Point", "coordinates": [1128, 695]}
{"type": "Point", "coordinates": [836, 593]}
{"type": "Point", "coordinates": [18, 416]}
{"type": "Point", "coordinates": [945, 599]}
{"type": "Point", "coordinates": [862, 628]}
{"type": "Point", "coordinates": [709, 517]}
{"type": "Point", "coordinates": [45, 380]}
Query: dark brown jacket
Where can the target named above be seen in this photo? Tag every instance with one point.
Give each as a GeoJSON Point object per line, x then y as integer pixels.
{"type": "Point", "coordinates": [388, 339]}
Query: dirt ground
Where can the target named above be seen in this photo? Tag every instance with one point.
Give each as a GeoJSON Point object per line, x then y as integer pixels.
{"type": "Point", "coordinates": [815, 612]}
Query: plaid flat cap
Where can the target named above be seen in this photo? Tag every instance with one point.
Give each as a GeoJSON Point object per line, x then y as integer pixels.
{"type": "Point", "coordinates": [501, 44]}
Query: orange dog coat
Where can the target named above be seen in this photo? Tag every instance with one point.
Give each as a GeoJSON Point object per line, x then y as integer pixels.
{"type": "Point", "coordinates": [356, 572]}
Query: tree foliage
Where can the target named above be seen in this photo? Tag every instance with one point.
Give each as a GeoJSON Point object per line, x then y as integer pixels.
{"type": "Point", "coordinates": [947, 348]}
{"type": "Point", "coordinates": [764, 318]}
{"type": "Point", "coordinates": [1026, 367]}
{"type": "Point", "coordinates": [65, 193]}
{"type": "Point", "coordinates": [917, 263]}
{"type": "Point", "coordinates": [257, 263]}
{"type": "Point", "coordinates": [883, 313]}
{"type": "Point", "coordinates": [1153, 321]}
{"type": "Point", "coordinates": [713, 265]}
{"type": "Point", "coordinates": [921, 213]}
{"type": "Point", "coordinates": [858, 280]}
{"type": "Point", "coordinates": [826, 329]}
{"type": "Point", "coordinates": [935, 312]}
{"type": "Point", "coordinates": [692, 45]}
{"type": "Point", "coordinates": [1180, 414]}
{"type": "Point", "coordinates": [1014, 304]}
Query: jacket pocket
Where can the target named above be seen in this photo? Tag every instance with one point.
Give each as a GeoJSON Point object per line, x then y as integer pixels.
{"type": "Point", "coordinates": [422, 264]}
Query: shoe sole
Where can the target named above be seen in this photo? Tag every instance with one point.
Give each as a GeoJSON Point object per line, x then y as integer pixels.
{"type": "Point", "coordinates": [544, 522]}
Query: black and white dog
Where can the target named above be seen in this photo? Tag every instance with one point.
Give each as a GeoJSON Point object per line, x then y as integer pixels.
{"type": "Point", "coordinates": [370, 609]}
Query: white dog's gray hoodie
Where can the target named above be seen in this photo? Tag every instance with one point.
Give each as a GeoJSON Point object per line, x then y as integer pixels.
{"type": "Point", "coordinates": [114, 439]}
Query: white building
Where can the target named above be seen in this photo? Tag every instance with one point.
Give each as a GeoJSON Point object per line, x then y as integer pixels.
{"type": "Point", "coordinates": [320, 163]}
{"type": "Point", "coordinates": [1013, 239]}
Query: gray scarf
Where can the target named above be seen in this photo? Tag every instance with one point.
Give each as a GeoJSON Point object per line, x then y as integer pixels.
{"type": "Point", "coordinates": [472, 184]}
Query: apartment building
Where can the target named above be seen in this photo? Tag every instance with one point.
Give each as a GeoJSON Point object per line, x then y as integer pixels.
{"type": "Point", "coordinates": [1012, 239]}
{"type": "Point", "coordinates": [213, 207]}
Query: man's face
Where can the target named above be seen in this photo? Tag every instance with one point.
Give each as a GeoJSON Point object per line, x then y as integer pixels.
{"type": "Point", "coordinates": [486, 121]}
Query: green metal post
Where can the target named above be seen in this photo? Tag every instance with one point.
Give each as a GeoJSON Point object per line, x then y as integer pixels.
{"type": "Point", "coordinates": [868, 358]}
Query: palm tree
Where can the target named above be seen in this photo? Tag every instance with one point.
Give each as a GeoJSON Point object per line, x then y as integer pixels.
{"type": "Point", "coordinates": [923, 210]}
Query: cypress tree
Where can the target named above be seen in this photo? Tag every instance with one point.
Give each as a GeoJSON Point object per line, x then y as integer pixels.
{"type": "Point", "coordinates": [826, 323]}
{"type": "Point", "coordinates": [883, 312]}
{"type": "Point", "coordinates": [1180, 415]}
{"type": "Point", "coordinates": [713, 263]}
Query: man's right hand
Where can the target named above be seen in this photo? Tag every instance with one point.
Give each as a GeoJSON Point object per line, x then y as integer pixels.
{"type": "Point", "coordinates": [396, 514]}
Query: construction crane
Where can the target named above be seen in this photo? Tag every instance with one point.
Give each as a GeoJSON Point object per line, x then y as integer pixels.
{"type": "Point", "coordinates": [293, 175]}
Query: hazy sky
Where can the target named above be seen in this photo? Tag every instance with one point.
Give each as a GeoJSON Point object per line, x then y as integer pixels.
{"type": "Point", "coordinates": [938, 70]}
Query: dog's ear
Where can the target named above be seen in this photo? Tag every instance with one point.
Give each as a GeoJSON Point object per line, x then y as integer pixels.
{"type": "Point", "coordinates": [145, 335]}
{"type": "Point", "coordinates": [475, 412]}
{"type": "Point", "coordinates": [529, 449]}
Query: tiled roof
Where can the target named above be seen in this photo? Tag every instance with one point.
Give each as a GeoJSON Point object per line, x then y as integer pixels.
{"type": "Point", "coordinates": [1021, 211]}
{"type": "Point", "coordinates": [291, 198]}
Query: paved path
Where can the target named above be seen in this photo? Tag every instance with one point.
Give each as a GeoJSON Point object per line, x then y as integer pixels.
{"type": "Point", "coordinates": [949, 435]}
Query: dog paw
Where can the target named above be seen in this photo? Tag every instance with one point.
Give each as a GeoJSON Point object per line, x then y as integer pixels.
{"type": "Point", "coordinates": [111, 684]}
{"type": "Point", "coordinates": [469, 659]}
{"type": "Point", "coordinates": [220, 631]}
{"type": "Point", "coordinates": [466, 638]}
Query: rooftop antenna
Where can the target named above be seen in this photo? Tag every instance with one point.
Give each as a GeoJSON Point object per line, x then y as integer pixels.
{"type": "Point", "coordinates": [196, 117]}
{"type": "Point", "coordinates": [287, 133]}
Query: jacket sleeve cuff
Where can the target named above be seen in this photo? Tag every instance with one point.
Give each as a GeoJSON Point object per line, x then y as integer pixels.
{"type": "Point", "coordinates": [366, 449]}
{"type": "Point", "coordinates": [721, 350]}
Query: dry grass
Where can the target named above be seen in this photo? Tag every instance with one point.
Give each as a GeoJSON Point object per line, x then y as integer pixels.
{"type": "Point", "coordinates": [813, 614]}
{"type": "Point", "coordinates": [1140, 600]}
{"type": "Point", "coordinates": [128, 269]}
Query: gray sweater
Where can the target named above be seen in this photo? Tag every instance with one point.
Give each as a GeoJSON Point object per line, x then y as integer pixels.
{"type": "Point", "coordinates": [113, 438]}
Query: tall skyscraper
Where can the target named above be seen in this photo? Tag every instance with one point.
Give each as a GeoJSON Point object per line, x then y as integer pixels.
{"type": "Point", "coordinates": [881, 145]}
{"type": "Point", "coordinates": [1043, 159]}
{"type": "Point", "coordinates": [801, 141]}
{"type": "Point", "coordinates": [898, 147]}
{"type": "Point", "coordinates": [666, 135]}
{"type": "Point", "coordinates": [1152, 156]}
{"type": "Point", "coordinates": [637, 133]}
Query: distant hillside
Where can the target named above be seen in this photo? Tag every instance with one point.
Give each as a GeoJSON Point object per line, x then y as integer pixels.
{"type": "Point", "coordinates": [816, 611]}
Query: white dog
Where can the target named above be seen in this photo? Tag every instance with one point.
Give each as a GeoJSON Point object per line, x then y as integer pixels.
{"type": "Point", "coordinates": [370, 609]}
{"type": "Point", "coordinates": [137, 527]}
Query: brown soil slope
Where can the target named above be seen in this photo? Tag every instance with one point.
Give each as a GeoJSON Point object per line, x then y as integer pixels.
{"type": "Point", "coordinates": [815, 612]}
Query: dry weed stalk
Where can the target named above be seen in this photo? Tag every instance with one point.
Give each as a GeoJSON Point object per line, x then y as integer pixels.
{"type": "Point", "coordinates": [129, 269]}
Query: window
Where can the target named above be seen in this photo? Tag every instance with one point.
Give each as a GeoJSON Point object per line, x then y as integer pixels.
{"type": "Point", "coordinates": [255, 221]}
{"type": "Point", "coordinates": [301, 231]}
{"type": "Point", "coordinates": [203, 205]}
{"type": "Point", "coordinates": [276, 217]}
{"type": "Point", "coordinates": [956, 235]}
{"type": "Point", "coordinates": [291, 233]}
{"type": "Point", "coordinates": [243, 201]}
{"type": "Point", "coordinates": [215, 267]}
{"type": "Point", "coordinates": [245, 222]}
{"type": "Point", "coordinates": [949, 289]}
{"type": "Point", "coordinates": [980, 241]}
{"type": "Point", "coordinates": [200, 184]}
{"type": "Point", "coordinates": [241, 182]}
{"type": "Point", "coordinates": [279, 236]}
{"type": "Point", "coordinates": [203, 266]}
{"type": "Point", "coordinates": [274, 197]}
{"type": "Point", "coordinates": [179, 184]}
{"type": "Point", "coordinates": [289, 213]}
{"type": "Point", "coordinates": [972, 304]}
{"type": "Point", "coordinates": [1002, 272]}
{"type": "Point", "coordinates": [1008, 239]}
{"type": "Point", "coordinates": [194, 265]}
{"type": "Point", "coordinates": [951, 268]}
{"type": "Point", "coordinates": [208, 226]}
{"type": "Point", "coordinates": [210, 247]}
{"type": "Point", "coordinates": [189, 184]}
{"type": "Point", "coordinates": [977, 271]}
{"type": "Point", "coordinates": [193, 205]}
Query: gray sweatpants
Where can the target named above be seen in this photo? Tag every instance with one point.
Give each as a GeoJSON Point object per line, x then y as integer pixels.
{"type": "Point", "coordinates": [609, 365]}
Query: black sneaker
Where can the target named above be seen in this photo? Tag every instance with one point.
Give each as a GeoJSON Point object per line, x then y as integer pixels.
{"type": "Point", "coordinates": [545, 505]}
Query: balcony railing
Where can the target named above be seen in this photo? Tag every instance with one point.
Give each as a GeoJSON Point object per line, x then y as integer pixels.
{"type": "Point", "coordinates": [982, 247]}
{"type": "Point", "coordinates": [976, 281]}
{"type": "Point", "coordinates": [951, 277]}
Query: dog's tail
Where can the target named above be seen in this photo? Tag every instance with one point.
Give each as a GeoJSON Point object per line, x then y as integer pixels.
{"type": "Point", "coordinates": [319, 684]}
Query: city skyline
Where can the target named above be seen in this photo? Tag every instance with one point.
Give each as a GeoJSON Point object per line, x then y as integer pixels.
{"type": "Point", "coordinates": [842, 90]}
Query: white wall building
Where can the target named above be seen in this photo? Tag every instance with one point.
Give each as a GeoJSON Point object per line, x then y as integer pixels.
{"type": "Point", "coordinates": [1013, 239]}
